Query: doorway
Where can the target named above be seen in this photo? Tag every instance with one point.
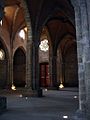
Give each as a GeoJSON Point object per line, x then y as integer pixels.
{"type": "Point", "coordinates": [44, 75]}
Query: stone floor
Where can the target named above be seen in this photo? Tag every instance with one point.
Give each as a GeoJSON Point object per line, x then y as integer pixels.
{"type": "Point", "coordinates": [53, 106]}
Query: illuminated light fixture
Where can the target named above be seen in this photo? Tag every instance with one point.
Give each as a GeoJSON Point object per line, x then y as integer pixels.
{"type": "Point", "coordinates": [75, 97]}
{"type": "Point", "coordinates": [13, 87]}
{"type": "Point", "coordinates": [26, 98]}
{"type": "Point", "coordinates": [25, 29]}
{"type": "Point", "coordinates": [65, 117]}
{"type": "Point", "coordinates": [44, 45]}
{"type": "Point", "coordinates": [20, 95]}
{"type": "Point", "coordinates": [61, 85]}
{"type": "Point", "coordinates": [45, 89]}
{"type": "Point", "coordinates": [2, 54]}
{"type": "Point", "coordinates": [22, 34]}
{"type": "Point", "coordinates": [1, 22]}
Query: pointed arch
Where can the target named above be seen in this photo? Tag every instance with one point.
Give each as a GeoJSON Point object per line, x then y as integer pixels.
{"type": "Point", "coordinates": [19, 68]}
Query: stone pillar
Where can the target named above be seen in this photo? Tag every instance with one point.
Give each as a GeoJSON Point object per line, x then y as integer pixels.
{"type": "Point", "coordinates": [28, 64]}
{"type": "Point", "coordinates": [35, 68]}
{"type": "Point", "coordinates": [86, 35]}
{"type": "Point", "coordinates": [82, 46]}
{"type": "Point", "coordinates": [54, 71]}
{"type": "Point", "coordinates": [50, 70]}
{"type": "Point", "coordinates": [28, 87]}
{"type": "Point", "coordinates": [11, 69]}
{"type": "Point", "coordinates": [28, 91]}
{"type": "Point", "coordinates": [9, 81]}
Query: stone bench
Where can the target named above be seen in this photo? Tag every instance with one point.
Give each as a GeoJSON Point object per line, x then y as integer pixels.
{"type": "Point", "coordinates": [3, 104]}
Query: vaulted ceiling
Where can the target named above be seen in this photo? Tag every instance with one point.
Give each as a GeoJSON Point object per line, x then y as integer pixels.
{"type": "Point", "coordinates": [14, 16]}
{"type": "Point", "coordinates": [56, 15]}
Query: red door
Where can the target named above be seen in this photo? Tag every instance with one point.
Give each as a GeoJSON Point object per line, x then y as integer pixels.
{"type": "Point", "coordinates": [44, 75]}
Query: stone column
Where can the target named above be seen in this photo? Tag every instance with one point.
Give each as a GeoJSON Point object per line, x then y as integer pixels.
{"type": "Point", "coordinates": [28, 64]}
{"type": "Point", "coordinates": [86, 58]}
{"type": "Point", "coordinates": [50, 70]}
{"type": "Point", "coordinates": [54, 71]}
{"type": "Point", "coordinates": [86, 37]}
{"type": "Point", "coordinates": [28, 91]}
{"type": "Point", "coordinates": [28, 87]}
{"type": "Point", "coordinates": [9, 82]}
{"type": "Point", "coordinates": [11, 68]}
{"type": "Point", "coordinates": [82, 39]}
{"type": "Point", "coordinates": [35, 68]}
{"type": "Point", "coordinates": [28, 54]}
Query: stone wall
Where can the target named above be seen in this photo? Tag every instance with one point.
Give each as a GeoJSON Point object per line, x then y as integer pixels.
{"type": "Point", "coordinates": [71, 67]}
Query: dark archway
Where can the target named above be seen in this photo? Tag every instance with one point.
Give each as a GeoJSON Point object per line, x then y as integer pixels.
{"type": "Point", "coordinates": [71, 66]}
{"type": "Point", "coordinates": [19, 68]}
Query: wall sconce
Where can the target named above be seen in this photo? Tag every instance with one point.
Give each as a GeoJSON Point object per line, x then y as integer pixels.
{"type": "Point", "coordinates": [61, 85]}
{"type": "Point", "coordinates": [13, 87]}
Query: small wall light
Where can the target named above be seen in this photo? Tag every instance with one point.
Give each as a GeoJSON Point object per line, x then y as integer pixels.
{"type": "Point", "coordinates": [61, 85]}
{"type": "Point", "coordinates": [13, 87]}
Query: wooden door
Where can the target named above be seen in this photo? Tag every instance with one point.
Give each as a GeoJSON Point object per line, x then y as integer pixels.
{"type": "Point", "coordinates": [44, 75]}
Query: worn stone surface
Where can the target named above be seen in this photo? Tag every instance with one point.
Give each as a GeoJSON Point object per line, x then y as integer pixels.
{"type": "Point", "coordinates": [3, 104]}
{"type": "Point", "coordinates": [52, 106]}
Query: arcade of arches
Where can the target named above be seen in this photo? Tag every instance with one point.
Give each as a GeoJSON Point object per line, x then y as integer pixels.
{"type": "Point", "coordinates": [65, 25]}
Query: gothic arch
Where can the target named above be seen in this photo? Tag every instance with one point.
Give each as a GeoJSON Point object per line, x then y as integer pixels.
{"type": "Point", "coordinates": [22, 48]}
{"type": "Point", "coordinates": [29, 43]}
{"type": "Point", "coordinates": [19, 68]}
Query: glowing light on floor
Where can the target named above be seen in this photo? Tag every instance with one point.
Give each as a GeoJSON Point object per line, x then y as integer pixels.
{"type": "Point", "coordinates": [65, 117]}
{"type": "Point", "coordinates": [26, 98]}
{"type": "Point", "coordinates": [75, 97]}
{"type": "Point", "coordinates": [61, 86]}
{"type": "Point", "coordinates": [45, 89]}
{"type": "Point", "coordinates": [20, 95]}
{"type": "Point", "coordinates": [13, 87]}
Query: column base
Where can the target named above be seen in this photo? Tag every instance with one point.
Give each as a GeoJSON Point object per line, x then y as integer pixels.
{"type": "Point", "coordinates": [25, 92]}
{"type": "Point", "coordinates": [3, 104]}
{"type": "Point", "coordinates": [32, 93]}
{"type": "Point", "coordinates": [79, 115]}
